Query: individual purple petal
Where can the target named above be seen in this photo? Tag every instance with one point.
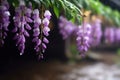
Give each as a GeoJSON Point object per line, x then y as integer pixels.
{"type": "Point", "coordinates": [45, 22]}
{"type": "Point", "coordinates": [38, 42]}
{"type": "Point", "coordinates": [22, 29]}
{"type": "Point", "coordinates": [6, 13]}
{"type": "Point", "coordinates": [36, 25]}
{"type": "Point", "coordinates": [26, 33]}
{"type": "Point", "coordinates": [27, 26]}
{"type": "Point", "coordinates": [28, 19]}
{"type": "Point", "coordinates": [19, 39]}
{"type": "Point", "coordinates": [23, 38]}
{"type": "Point", "coordinates": [46, 30]}
{"type": "Point", "coordinates": [45, 40]}
{"type": "Point", "coordinates": [44, 46]}
{"type": "Point", "coordinates": [38, 21]}
{"type": "Point", "coordinates": [36, 30]}
{"type": "Point", "coordinates": [21, 48]}
{"type": "Point", "coordinates": [35, 34]}
{"type": "Point", "coordinates": [36, 11]}
{"type": "Point", "coordinates": [35, 14]}
{"type": "Point", "coordinates": [47, 14]}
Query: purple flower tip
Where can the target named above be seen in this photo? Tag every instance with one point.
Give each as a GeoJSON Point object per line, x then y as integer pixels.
{"type": "Point", "coordinates": [46, 22]}
{"type": "Point", "coordinates": [47, 14]}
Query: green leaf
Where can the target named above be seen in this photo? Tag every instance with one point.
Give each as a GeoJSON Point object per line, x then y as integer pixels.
{"type": "Point", "coordinates": [72, 20]}
{"type": "Point", "coordinates": [56, 11]}
{"type": "Point", "coordinates": [15, 3]}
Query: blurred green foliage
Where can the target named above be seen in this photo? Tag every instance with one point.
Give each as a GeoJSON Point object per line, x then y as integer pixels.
{"type": "Point", "coordinates": [98, 8]}
{"type": "Point", "coordinates": [72, 8]}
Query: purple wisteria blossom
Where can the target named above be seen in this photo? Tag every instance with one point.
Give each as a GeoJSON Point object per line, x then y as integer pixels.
{"type": "Point", "coordinates": [22, 19]}
{"type": "Point", "coordinates": [4, 20]}
{"type": "Point", "coordinates": [117, 35]}
{"type": "Point", "coordinates": [83, 37]}
{"type": "Point", "coordinates": [41, 31]}
{"type": "Point", "coordinates": [109, 35]}
{"type": "Point", "coordinates": [45, 29]}
{"type": "Point", "coordinates": [36, 30]}
{"type": "Point", "coordinates": [66, 27]}
{"type": "Point", "coordinates": [96, 33]}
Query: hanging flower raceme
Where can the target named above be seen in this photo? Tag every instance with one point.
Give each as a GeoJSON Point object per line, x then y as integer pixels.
{"type": "Point", "coordinates": [36, 30]}
{"type": "Point", "coordinates": [45, 29]}
{"type": "Point", "coordinates": [83, 36]}
{"type": "Point", "coordinates": [109, 35]}
{"type": "Point", "coordinates": [21, 19]}
{"type": "Point", "coordinates": [117, 35]}
{"type": "Point", "coordinates": [41, 30]}
{"type": "Point", "coordinates": [96, 33]}
{"type": "Point", "coordinates": [4, 20]}
{"type": "Point", "coordinates": [66, 27]}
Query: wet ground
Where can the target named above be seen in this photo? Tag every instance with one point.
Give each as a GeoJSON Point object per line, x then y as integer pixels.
{"type": "Point", "coordinates": [56, 70]}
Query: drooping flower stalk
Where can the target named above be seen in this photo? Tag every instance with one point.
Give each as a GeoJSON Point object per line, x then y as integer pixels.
{"type": "Point", "coordinates": [4, 20]}
{"type": "Point", "coordinates": [66, 27]}
{"type": "Point", "coordinates": [83, 36]}
{"type": "Point", "coordinates": [117, 35]}
{"type": "Point", "coordinates": [41, 31]}
{"type": "Point", "coordinates": [96, 33]}
{"type": "Point", "coordinates": [36, 30]}
{"type": "Point", "coordinates": [22, 19]}
{"type": "Point", "coordinates": [45, 29]}
{"type": "Point", "coordinates": [109, 35]}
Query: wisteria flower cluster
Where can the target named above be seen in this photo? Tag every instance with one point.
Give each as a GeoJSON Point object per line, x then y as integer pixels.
{"type": "Point", "coordinates": [4, 20]}
{"type": "Point", "coordinates": [22, 20]}
{"type": "Point", "coordinates": [45, 29]}
{"type": "Point", "coordinates": [83, 37]}
{"type": "Point", "coordinates": [36, 29]}
{"type": "Point", "coordinates": [82, 33]}
{"type": "Point", "coordinates": [112, 35]}
{"type": "Point", "coordinates": [117, 35]}
{"type": "Point", "coordinates": [24, 17]}
{"type": "Point", "coordinates": [66, 27]}
{"type": "Point", "coordinates": [96, 33]}
{"type": "Point", "coordinates": [109, 35]}
{"type": "Point", "coordinates": [41, 31]}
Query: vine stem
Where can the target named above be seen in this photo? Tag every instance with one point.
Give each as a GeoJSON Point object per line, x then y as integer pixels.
{"type": "Point", "coordinates": [41, 28]}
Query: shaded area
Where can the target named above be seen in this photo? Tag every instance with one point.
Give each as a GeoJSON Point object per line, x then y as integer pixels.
{"type": "Point", "coordinates": [115, 4]}
{"type": "Point", "coordinates": [105, 68]}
